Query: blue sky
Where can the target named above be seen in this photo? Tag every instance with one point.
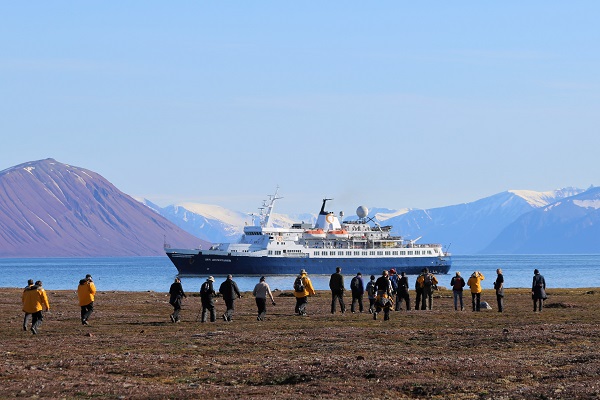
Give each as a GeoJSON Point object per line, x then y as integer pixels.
{"type": "Point", "coordinates": [391, 104]}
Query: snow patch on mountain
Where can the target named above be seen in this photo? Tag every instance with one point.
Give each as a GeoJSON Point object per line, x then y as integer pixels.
{"type": "Point", "coordinates": [210, 211]}
{"type": "Point", "coordinates": [542, 199]}
{"type": "Point", "coordinates": [595, 204]}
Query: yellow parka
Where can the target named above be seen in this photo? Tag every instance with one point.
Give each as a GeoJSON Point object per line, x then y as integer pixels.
{"type": "Point", "coordinates": [35, 299]}
{"type": "Point", "coordinates": [308, 288]}
{"type": "Point", "coordinates": [474, 282]}
{"type": "Point", "coordinates": [85, 293]}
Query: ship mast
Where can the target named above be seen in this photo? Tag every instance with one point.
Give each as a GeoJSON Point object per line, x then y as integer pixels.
{"type": "Point", "coordinates": [269, 204]}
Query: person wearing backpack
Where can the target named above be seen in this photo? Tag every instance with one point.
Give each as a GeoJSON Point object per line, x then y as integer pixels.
{"type": "Point", "coordinates": [358, 290]}
{"type": "Point", "coordinates": [402, 294]}
{"type": "Point", "coordinates": [428, 282]}
{"type": "Point", "coordinates": [384, 296]}
{"type": "Point", "coordinates": [207, 293]}
{"type": "Point", "coordinates": [474, 283]}
{"type": "Point", "coordinates": [394, 282]}
{"type": "Point", "coordinates": [371, 294]}
{"type": "Point", "coordinates": [176, 297]}
{"type": "Point", "coordinates": [457, 283]}
{"type": "Point", "coordinates": [229, 290]}
{"type": "Point", "coordinates": [302, 289]}
{"type": "Point", "coordinates": [419, 290]}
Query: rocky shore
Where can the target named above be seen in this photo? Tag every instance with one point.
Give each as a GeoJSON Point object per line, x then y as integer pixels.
{"type": "Point", "coordinates": [131, 350]}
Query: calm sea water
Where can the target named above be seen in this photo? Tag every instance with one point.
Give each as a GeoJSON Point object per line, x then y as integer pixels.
{"type": "Point", "coordinates": [157, 273]}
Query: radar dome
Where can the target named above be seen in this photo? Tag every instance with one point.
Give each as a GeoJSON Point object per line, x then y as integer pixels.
{"type": "Point", "coordinates": [362, 211]}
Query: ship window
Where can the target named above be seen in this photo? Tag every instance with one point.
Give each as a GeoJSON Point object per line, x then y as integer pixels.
{"type": "Point", "coordinates": [277, 252]}
{"type": "Point", "coordinates": [270, 252]}
{"type": "Point", "coordinates": [332, 253]}
{"type": "Point", "coordinates": [348, 253]}
{"type": "Point", "coordinates": [371, 253]}
{"type": "Point", "coordinates": [402, 253]}
{"type": "Point", "coordinates": [410, 252]}
{"type": "Point", "coordinates": [364, 253]}
{"type": "Point", "coordinates": [357, 253]}
{"type": "Point", "coordinates": [394, 253]}
{"type": "Point", "coordinates": [316, 253]}
{"type": "Point", "coordinates": [428, 251]}
{"type": "Point", "coordinates": [387, 253]}
{"type": "Point", "coordinates": [417, 252]}
{"type": "Point", "coordinates": [380, 253]}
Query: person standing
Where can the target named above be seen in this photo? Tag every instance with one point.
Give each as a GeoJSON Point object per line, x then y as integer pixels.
{"type": "Point", "coordinates": [207, 294]}
{"type": "Point", "coordinates": [499, 286]}
{"type": "Point", "coordinates": [34, 302]}
{"type": "Point", "coordinates": [86, 292]}
{"type": "Point", "coordinates": [260, 292]}
{"type": "Point", "coordinates": [229, 290]}
{"type": "Point", "coordinates": [358, 290]}
{"type": "Point", "coordinates": [403, 295]}
{"type": "Point", "coordinates": [371, 294]}
{"type": "Point", "coordinates": [474, 283]}
{"type": "Point", "coordinates": [384, 296]}
{"type": "Point", "coordinates": [394, 282]}
{"type": "Point", "coordinates": [419, 290]}
{"type": "Point", "coordinates": [458, 283]}
{"type": "Point", "coordinates": [538, 290]}
{"type": "Point", "coordinates": [27, 315]}
{"type": "Point", "coordinates": [428, 281]}
{"type": "Point", "coordinates": [302, 289]}
{"type": "Point", "coordinates": [177, 295]}
{"type": "Point", "coordinates": [336, 284]}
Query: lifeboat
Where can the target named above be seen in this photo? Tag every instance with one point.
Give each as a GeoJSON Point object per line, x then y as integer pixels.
{"type": "Point", "coordinates": [338, 234]}
{"type": "Point", "coordinates": [314, 234]}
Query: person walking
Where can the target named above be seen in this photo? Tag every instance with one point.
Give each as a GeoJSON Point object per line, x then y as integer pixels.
{"type": "Point", "coordinates": [499, 286]}
{"type": "Point", "coordinates": [336, 284]}
{"type": "Point", "coordinates": [538, 290]}
{"type": "Point", "coordinates": [358, 290]}
{"type": "Point", "coordinates": [34, 301]}
{"type": "Point", "coordinates": [207, 293]}
{"type": "Point", "coordinates": [428, 282]}
{"type": "Point", "coordinates": [402, 294]}
{"type": "Point", "coordinates": [86, 292]}
{"type": "Point", "coordinates": [177, 295]}
{"type": "Point", "coordinates": [260, 292]}
{"type": "Point", "coordinates": [458, 283]}
{"type": "Point", "coordinates": [474, 283]}
{"type": "Point", "coordinates": [27, 316]}
{"type": "Point", "coordinates": [371, 294]}
{"type": "Point", "coordinates": [394, 282]}
{"type": "Point", "coordinates": [384, 296]}
{"type": "Point", "coordinates": [302, 289]}
{"type": "Point", "coordinates": [229, 290]}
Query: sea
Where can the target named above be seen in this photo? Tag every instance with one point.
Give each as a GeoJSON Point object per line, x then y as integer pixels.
{"type": "Point", "coordinates": [156, 274]}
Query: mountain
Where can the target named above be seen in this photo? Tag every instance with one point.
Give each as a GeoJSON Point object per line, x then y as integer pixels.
{"type": "Point", "coordinates": [471, 227]}
{"type": "Point", "coordinates": [216, 224]}
{"type": "Point", "coordinates": [50, 209]}
{"type": "Point", "coordinates": [568, 226]}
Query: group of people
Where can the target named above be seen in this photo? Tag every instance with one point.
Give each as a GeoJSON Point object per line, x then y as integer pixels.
{"type": "Point", "coordinates": [35, 301]}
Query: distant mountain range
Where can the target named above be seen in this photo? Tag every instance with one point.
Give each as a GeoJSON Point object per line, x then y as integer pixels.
{"type": "Point", "coordinates": [50, 209]}
{"type": "Point", "coordinates": [563, 221]}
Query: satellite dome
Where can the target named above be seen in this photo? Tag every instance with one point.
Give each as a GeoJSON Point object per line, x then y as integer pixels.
{"type": "Point", "coordinates": [362, 211]}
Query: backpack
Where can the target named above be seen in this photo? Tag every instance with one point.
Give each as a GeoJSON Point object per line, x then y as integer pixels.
{"type": "Point", "coordinates": [355, 284]}
{"type": "Point", "coordinates": [205, 288]}
{"type": "Point", "coordinates": [428, 280]}
{"type": "Point", "coordinates": [394, 281]}
{"type": "Point", "coordinates": [371, 289]}
{"type": "Point", "coordinates": [299, 285]}
{"type": "Point", "coordinates": [459, 283]}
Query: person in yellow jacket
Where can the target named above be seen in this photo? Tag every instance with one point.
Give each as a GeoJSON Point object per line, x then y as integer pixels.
{"type": "Point", "coordinates": [27, 315]}
{"type": "Point", "coordinates": [85, 293]}
{"type": "Point", "coordinates": [428, 282]}
{"type": "Point", "coordinates": [302, 289]}
{"type": "Point", "coordinates": [474, 283]}
{"type": "Point", "coordinates": [34, 301]}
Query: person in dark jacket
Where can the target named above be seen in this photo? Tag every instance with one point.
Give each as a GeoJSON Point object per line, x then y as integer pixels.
{"type": "Point", "coordinates": [384, 296]}
{"type": "Point", "coordinates": [402, 294]}
{"type": "Point", "coordinates": [229, 290]}
{"type": "Point", "coordinates": [371, 290]}
{"type": "Point", "coordinates": [358, 290]}
{"type": "Point", "coordinates": [419, 290]}
{"type": "Point", "coordinates": [538, 290]}
{"type": "Point", "coordinates": [177, 295]}
{"type": "Point", "coordinates": [207, 293]}
{"type": "Point", "coordinates": [336, 284]}
{"type": "Point", "coordinates": [499, 286]}
{"type": "Point", "coordinates": [458, 283]}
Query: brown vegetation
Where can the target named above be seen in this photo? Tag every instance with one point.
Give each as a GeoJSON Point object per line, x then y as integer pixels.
{"type": "Point", "coordinates": [132, 350]}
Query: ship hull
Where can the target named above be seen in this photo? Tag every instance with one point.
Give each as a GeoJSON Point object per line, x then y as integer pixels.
{"type": "Point", "coordinates": [210, 264]}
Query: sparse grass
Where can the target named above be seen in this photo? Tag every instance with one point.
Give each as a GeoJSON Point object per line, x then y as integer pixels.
{"type": "Point", "coordinates": [131, 350]}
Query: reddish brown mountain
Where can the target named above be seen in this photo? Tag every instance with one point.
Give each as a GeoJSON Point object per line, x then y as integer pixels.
{"type": "Point", "coordinates": [50, 209]}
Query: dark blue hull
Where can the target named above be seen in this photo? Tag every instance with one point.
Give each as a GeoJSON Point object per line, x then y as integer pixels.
{"type": "Point", "coordinates": [204, 265]}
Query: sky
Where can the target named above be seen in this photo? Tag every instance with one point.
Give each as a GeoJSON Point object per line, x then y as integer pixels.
{"type": "Point", "coordinates": [385, 104]}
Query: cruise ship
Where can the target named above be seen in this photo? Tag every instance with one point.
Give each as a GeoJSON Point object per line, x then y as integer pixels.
{"type": "Point", "coordinates": [360, 245]}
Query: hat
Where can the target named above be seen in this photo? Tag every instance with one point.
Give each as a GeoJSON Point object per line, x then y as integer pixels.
{"type": "Point", "coordinates": [457, 273]}
{"type": "Point", "coordinates": [262, 278]}
{"type": "Point", "coordinates": [372, 277]}
{"type": "Point", "coordinates": [30, 282]}
{"type": "Point", "coordinates": [392, 271]}
{"type": "Point", "coordinates": [82, 281]}
{"type": "Point", "coordinates": [358, 274]}
{"type": "Point", "coordinates": [210, 278]}
{"type": "Point", "coordinates": [302, 271]}
{"type": "Point", "coordinates": [535, 271]}
{"type": "Point", "coordinates": [88, 276]}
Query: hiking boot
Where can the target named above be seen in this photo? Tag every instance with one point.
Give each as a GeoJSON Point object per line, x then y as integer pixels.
{"type": "Point", "coordinates": [84, 322]}
{"type": "Point", "coordinates": [225, 317]}
{"type": "Point", "coordinates": [33, 331]}
{"type": "Point", "coordinates": [172, 318]}
{"type": "Point", "coordinates": [374, 315]}
{"type": "Point", "coordinates": [24, 327]}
